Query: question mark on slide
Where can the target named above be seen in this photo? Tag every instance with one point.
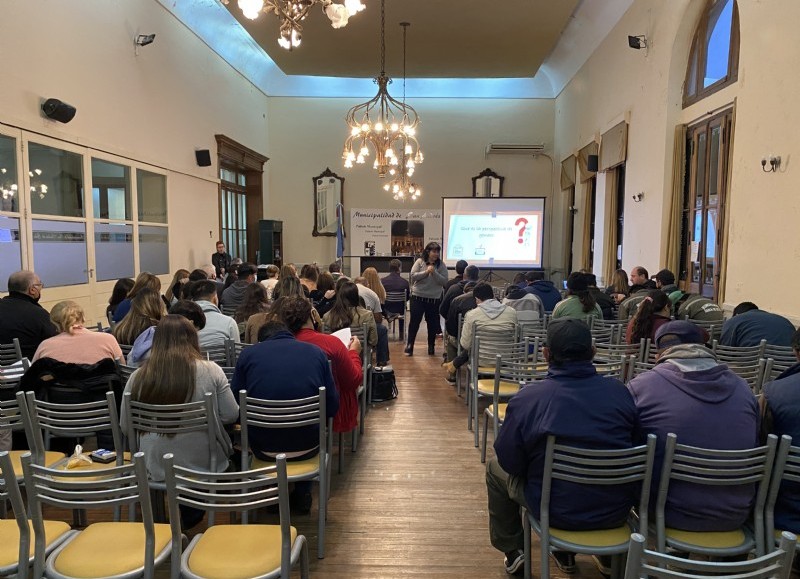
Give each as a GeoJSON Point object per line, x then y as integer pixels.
{"type": "Point", "coordinates": [524, 222]}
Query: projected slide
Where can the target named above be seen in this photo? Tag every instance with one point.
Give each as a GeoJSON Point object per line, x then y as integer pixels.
{"type": "Point", "coordinates": [493, 232]}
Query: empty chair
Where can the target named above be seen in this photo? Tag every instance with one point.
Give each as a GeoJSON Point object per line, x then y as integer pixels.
{"type": "Point", "coordinates": [738, 355]}
{"type": "Point", "coordinates": [16, 541]}
{"type": "Point", "coordinates": [13, 419]}
{"type": "Point", "coordinates": [626, 470]}
{"type": "Point", "coordinates": [394, 301]}
{"type": "Point", "coordinates": [227, 550]}
{"type": "Point", "coordinates": [645, 563]}
{"type": "Point", "coordinates": [739, 469]}
{"type": "Point", "coordinates": [295, 414]}
{"type": "Point", "coordinates": [784, 493]}
{"type": "Point", "coordinates": [104, 549]}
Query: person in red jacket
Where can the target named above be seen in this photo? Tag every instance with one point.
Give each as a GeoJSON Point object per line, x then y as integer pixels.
{"type": "Point", "coordinates": [299, 316]}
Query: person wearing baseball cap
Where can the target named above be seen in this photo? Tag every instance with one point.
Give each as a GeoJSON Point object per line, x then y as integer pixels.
{"type": "Point", "coordinates": [705, 404]}
{"type": "Point", "coordinates": [579, 407]}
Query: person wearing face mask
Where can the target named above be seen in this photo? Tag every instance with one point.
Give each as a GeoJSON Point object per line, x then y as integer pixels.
{"type": "Point", "coordinates": [428, 278]}
{"type": "Point", "coordinates": [21, 316]}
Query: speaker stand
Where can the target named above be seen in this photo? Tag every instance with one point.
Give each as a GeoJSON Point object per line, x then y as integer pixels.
{"type": "Point", "coordinates": [492, 276]}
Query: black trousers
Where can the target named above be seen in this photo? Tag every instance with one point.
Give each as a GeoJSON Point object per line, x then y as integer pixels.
{"type": "Point", "coordinates": [429, 308]}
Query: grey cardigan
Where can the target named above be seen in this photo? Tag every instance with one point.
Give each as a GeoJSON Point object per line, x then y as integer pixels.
{"type": "Point", "coordinates": [426, 285]}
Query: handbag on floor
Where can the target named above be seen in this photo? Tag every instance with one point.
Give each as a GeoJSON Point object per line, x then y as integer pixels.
{"type": "Point", "coordinates": [384, 385]}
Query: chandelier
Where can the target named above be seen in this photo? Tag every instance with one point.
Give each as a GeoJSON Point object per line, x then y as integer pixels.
{"type": "Point", "coordinates": [382, 123]}
{"type": "Point", "coordinates": [401, 187]}
{"type": "Point", "coordinates": [292, 12]}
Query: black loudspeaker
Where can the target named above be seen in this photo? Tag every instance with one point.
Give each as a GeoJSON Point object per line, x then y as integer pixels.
{"type": "Point", "coordinates": [58, 110]}
{"type": "Point", "coordinates": [203, 157]}
{"type": "Point", "coordinates": [591, 163]}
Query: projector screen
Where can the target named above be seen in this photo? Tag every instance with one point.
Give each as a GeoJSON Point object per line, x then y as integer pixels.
{"type": "Point", "coordinates": [493, 232]}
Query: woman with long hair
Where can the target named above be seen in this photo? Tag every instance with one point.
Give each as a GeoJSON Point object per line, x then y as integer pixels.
{"type": "Point", "coordinates": [176, 373]}
{"type": "Point", "coordinates": [75, 344]}
{"type": "Point", "coordinates": [147, 309]}
{"type": "Point", "coordinates": [347, 312]}
{"type": "Point", "coordinates": [308, 276]}
{"type": "Point", "coordinates": [325, 295]}
{"type": "Point", "coordinates": [428, 278]}
{"type": "Point", "coordinates": [254, 302]}
{"type": "Point", "coordinates": [653, 312]}
{"type": "Point", "coordinates": [173, 293]}
{"type": "Point", "coordinates": [288, 285]}
{"type": "Point", "coordinates": [580, 303]}
{"type": "Point", "coordinates": [119, 293]}
{"type": "Point", "coordinates": [144, 280]}
{"type": "Point", "coordinates": [619, 288]}
{"type": "Point", "coordinates": [373, 282]}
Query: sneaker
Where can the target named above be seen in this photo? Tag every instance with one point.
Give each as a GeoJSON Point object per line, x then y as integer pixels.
{"type": "Point", "coordinates": [514, 562]}
{"type": "Point", "coordinates": [451, 378]}
{"type": "Point", "coordinates": [564, 561]}
{"type": "Point", "coordinates": [603, 563]}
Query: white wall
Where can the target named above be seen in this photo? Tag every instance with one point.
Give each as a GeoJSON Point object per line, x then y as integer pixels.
{"type": "Point", "coordinates": [307, 135]}
{"type": "Point", "coordinates": [157, 107]}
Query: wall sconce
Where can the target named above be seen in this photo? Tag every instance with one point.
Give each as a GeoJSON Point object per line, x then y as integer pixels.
{"type": "Point", "coordinates": [144, 39]}
{"type": "Point", "coordinates": [774, 163]}
{"type": "Point", "coordinates": [637, 198]}
{"type": "Point", "coordinates": [637, 42]}
{"type": "Point", "coordinates": [573, 210]}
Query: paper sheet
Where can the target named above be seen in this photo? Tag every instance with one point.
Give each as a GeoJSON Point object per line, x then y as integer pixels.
{"type": "Point", "coordinates": [343, 335]}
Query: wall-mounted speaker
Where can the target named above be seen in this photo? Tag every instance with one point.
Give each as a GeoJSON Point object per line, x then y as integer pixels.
{"type": "Point", "coordinates": [203, 157]}
{"type": "Point", "coordinates": [58, 110]}
{"type": "Point", "coordinates": [591, 163]}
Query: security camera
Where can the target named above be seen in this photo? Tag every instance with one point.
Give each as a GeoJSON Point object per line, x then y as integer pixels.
{"type": "Point", "coordinates": [637, 42]}
{"type": "Point", "coordinates": [144, 39]}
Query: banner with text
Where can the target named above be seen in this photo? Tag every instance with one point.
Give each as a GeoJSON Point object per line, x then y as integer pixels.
{"type": "Point", "coordinates": [393, 231]}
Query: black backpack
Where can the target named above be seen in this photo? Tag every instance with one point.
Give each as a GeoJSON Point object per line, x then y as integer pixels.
{"type": "Point", "coordinates": [384, 385]}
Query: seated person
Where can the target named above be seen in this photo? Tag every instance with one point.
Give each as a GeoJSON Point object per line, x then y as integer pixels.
{"type": "Point", "coordinates": [234, 294]}
{"type": "Point", "coordinates": [706, 405]}
{"type": "Point", "coordinates": [542, 288]}
{"type": "Point", "coordinates": [688, 306]}
{"type": "Point", "coordinates": [628, 306]}
{"type": "Point", "coordinates": [579, 407]}
{"type": "Point", "coordinates": [605, 301]}
{"type": "Point", "coordinates": [219, 327]}
{"type": "Point", "coordinates": [780, 407]}
{"type": "Point", "coordinates": [528, 306]}
{"type": "Point", "coordinates": [749, 326]}
{"type": "Point", "coordinates": [146, 309]}
{"type": "Point", "coordinates": [347, 312]}
{"type": "Point", "coordinates": [653, 312]}
{"type": "Point", "coordinates": [280, 367]}
{"type": "Point", "coordinates": [580, 302]}
{"type": "Point", "coordinates": [21, 316]}
{"type": "Point", "coordinates": [302, 320]}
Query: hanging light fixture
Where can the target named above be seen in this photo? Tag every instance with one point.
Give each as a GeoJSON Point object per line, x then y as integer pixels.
{"type": "Point", "coordinates": [292, 12]}
{"type": "Point", "coordinates": [381, 124]}
{"type": "Point", "coordinates": [401, 186]}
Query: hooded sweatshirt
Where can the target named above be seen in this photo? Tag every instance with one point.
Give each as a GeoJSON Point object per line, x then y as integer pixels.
{"type": "Point", "coordinates": [545, 291]}
{"type": "Point", "coordinates": [489, 313]}
{"type": "Point", "coordinates": [706, 405]}
{"type": "Point", "coordinates": [233, 296]}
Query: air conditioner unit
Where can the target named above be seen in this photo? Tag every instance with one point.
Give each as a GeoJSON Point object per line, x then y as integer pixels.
{"type": "Point", "coordinates": [511, 149]}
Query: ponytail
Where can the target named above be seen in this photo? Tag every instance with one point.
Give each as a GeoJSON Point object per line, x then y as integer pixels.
{"type": "Point", "coordinates": [587, 299]}
{"type": "Point", "coordinates": [642, 321]}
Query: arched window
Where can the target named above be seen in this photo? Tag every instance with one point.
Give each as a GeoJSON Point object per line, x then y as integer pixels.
{"type": "Point", "coordinates": [714, 60]}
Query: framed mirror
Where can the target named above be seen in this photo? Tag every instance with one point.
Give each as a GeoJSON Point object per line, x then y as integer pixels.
{"type": "Point", "coordinates": [328, 193]}
{"type": "Point", "coordinates": [487, 183]}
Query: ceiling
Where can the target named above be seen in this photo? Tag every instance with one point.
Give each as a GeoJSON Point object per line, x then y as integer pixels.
{"type": "Point", "coordinates": [446, 39]}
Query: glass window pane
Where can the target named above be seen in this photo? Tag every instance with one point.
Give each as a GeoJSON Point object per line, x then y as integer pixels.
{"type": "Point", "coordinates": [113, 250]}
{"type": "Point", "coordinates": [10, 250]}
{"type": "Point", "coordinates": [151, 192]}
{"type": "Point", "coordinates": [697, 238]}
{"type": "Point", "coordinates": [153, 249]}
{"type": "Point", "coordinates": [112, 184]}
{"type": "Point", "coordinates": [56, 181]}
{"type": "Point", "coordinates": [227, 175]}
{"type": "Point", "coordinates": [700, 180]}
{"type": "Point", "coordinates": [711, 246]}
{"type": "Point", "coordinates": [59, 252]}
{"type": "Point", "coordinates": [713, 165]}
{"type": "Point", "coordinates": [242, 179]}
{"type": "Point", "coordinates": [9, 184]}
{"type": "Point", "coordinates": [718, 43]}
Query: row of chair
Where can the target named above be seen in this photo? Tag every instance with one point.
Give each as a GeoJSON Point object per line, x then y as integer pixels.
{"type": "Point", "coordinates": [766, 467]}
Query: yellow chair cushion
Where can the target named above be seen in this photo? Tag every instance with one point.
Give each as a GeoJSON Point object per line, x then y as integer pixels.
{"type": "Point", "coordinates": [501, 411]}
{"type": "Point", "coordinates": [778, 533]}
{"type": "Point", "coordinates": [307, 467]}
{"type": "Point", "coordinates": [486, 388]}
{"type": "Point", "coordinates": [9, 538]}
{"type": "Point", "coordinates": [108, 549]}
{"type": "Point", "coordinates": [600, 538]}
{"type": "Point", "coordinates": [709, 540]}
{"type": "Point", "coordinates": [50, 458]}
{"type": "Point", "coordinates": [237, 551]}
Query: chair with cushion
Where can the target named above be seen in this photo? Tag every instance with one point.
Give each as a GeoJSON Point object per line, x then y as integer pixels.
{"type": "Point", "coordinates": [13, 417]}
{"type": "Point", "coordinates": [784, 484]}
{"type": "Point", "coordinates": [509, 378]}
{"type": "Point", "coordinates": [10, 353]}
{"type": "Point", "coordinates": [610, 467]}
{"type": "Point", "coordinates": [234, 550]}
{"type": "Point", "coordinates": [279, 414]}
{"type": "Point", "coordinates": [16, 544]}
{"type": "Point", "coordinates": [713, 469]}
{"type": "Point", "coordinates": [645, 563]}
{"type": "Point", "coordinates": [103, 549]}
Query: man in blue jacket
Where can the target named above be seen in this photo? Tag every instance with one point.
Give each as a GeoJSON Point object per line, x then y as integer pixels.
{"type": "Point", "coordinates": [543, 289]}
{"type": "Point", "coordinates": [579, 407]}
{"type": "Point", "coordinates": [749, 326]}
{"type": "Point", "coordinates": [281, 367]}
{"type": "Point", "coordinates": [705, 404]}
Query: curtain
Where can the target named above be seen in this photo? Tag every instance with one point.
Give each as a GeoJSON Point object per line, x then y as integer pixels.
{"type": "Point", "coordinates": [583, 160]}
{"type": "Point", "coordinates": [587, 224]}
{"type": "Point", "coordinates": [672, 261]}
{"type": "Point", "coordinates": [568, 167]}
{"type": "Point", "coordinates": [611, 242]}
{"type": "Point", "coordinates": [613, 147]}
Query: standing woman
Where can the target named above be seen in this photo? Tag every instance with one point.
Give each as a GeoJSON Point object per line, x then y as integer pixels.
{"type": "Point", "coordinates": [428, 278]}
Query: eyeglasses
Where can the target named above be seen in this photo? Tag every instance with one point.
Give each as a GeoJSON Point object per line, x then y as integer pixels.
{"type": "Point", "coordinates": [40, 285]}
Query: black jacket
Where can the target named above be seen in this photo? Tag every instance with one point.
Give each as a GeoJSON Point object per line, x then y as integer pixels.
{"type": "Point", "coordinates": [67, 383]}
{"type": "Point", "coordinates": [461, 305]}
{"type": "Point", "coordinates": [22, 317]}
{"type": "Point", "coordinates": [221, 261]}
